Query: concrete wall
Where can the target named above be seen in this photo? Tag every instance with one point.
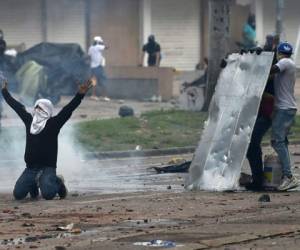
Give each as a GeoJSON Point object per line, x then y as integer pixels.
{"type": "Point", "coordinates": [176, 25]}
{"type": "Point", "coordinates": [21, 21]}
{"type": "Point", "coordinates": [117, 21]}
{"type": "Point", "coordinates": [238, 16]}
{"type": "Point", "coordinates": [291, 19]}
{"type": "Point", "coordinates": [140, 82]}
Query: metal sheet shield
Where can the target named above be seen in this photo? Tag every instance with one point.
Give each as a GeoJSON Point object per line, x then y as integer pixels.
{"type": "Point", "coordinates": [218, 159]}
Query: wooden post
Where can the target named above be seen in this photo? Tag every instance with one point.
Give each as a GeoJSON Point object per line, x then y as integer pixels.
{"type": "Point", "coordinates": [219, 11]}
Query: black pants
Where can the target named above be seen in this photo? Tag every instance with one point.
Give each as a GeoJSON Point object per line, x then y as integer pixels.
{"type": "Point", "coordinates": [48, 182]}
{"type": "Point", "coordinates": [254, 154]}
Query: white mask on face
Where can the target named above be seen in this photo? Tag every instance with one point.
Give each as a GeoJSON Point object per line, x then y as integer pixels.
{"type": "Point", "coordinates": [43, 110]}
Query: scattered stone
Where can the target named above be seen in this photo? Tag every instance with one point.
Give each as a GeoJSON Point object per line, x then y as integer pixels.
{"type": "Point", "coordinates": [75, 195]}
{"type": "Point", "coordinates": [31, 239]}
{"type": "Point", "coordinates": [125, 111]}
{"type": "Point", "coordinates": [169, 187]}
{"type": "Point", "coordinates": [6, 211]}
{"type": "Point", "coordinates": [27, 215]}
{"type": "Point", "coordinates": [27, 225]}
{"type": "Point", "coordinates": [60, 248]}
{"type": "Point", "coordinates": [264, 198]}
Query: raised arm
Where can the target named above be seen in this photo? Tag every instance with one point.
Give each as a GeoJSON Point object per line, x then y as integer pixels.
{"type": "Point", "coordinates": [67, 111]}
{"type": "Point", "coordinates": [18, 107]}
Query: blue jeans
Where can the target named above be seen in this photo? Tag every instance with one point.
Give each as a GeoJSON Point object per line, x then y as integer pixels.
{"type": "Point", "coordinates": [99, 73]}
{"type": "Point", "coordinates": [254, 153]}
{"type": "Point", "coordinates": [281, 125]}
{"type": "Point", "coordinates": [46, 177]}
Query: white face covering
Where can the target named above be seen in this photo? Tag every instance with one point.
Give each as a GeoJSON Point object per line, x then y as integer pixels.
{"type": "Point", "coordinates": [43, 110]}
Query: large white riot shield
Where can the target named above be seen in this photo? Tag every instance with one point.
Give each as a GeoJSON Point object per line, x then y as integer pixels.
{"type": "Point", "coordinates": [218, 159]}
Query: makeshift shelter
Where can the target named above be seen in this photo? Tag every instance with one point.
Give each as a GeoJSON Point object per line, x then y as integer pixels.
{"type": "Point", "coordinates": [64, 65]}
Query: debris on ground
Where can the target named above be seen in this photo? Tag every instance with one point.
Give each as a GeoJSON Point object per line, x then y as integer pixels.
{"type": "Point", "coordinates": [264, 198]}
{"type": "Point", "coordinates": [157, 243]}
{"type": "Point", "coordinates": [125, 111]}
{"type": "Point", "coordinates": [175, 168]}
{"type": "Point", "coordinates": [70, 228]}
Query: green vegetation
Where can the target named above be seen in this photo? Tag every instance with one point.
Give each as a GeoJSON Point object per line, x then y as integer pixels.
{"type": "Point", "coordinates": [156, 129]}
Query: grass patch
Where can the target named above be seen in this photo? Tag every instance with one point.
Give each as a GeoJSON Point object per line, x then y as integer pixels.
{"type": "Point", "coordinates": [155, 129]}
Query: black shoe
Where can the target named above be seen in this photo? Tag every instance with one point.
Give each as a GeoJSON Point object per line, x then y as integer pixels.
{"type": "Point", "coordinates": [63, 191]}
{"type": "Point", "coordinates": [252, 186]}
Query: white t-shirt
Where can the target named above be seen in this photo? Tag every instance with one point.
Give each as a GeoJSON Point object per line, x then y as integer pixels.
{"type": "Point", "coordinates": [95, 53]}
{"type": "Point", "coordinates": [284, 84]}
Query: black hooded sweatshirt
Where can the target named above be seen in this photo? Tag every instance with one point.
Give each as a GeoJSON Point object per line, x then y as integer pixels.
{"type": "Point", "coordinates": [41, 149]}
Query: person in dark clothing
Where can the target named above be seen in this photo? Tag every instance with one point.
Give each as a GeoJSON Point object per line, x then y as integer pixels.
{"type": "Point", "coordinates": [262, 124]}
{"type": "Point", "coordinates": [154, 52]}
{"type": "Point", "coordinates": [2, 50]}
{"type": "Point", "coordinates": [42, 131]}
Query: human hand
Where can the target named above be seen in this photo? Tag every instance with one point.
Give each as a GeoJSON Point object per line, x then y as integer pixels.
{"type": "Point", "coordinates": [223, 63]}
{"type": "Point", "coordinates": [84, 87]}
{"type": "Point", "coordinates": [4, 84]}
{"type": "Point", "coordinates": [258, 50]}
{"type": "Point", "coordinates": [243, 51]}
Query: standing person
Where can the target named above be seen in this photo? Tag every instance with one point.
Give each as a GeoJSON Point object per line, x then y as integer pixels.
{"type": "Point", "coordinates": [262, 124]}
{"type": "Point", "coordinates": [2, 67]}
{"type": "Point", "coordinates": [97, 62]}
{"type": "Point", "coordinates": [42, 129]}
{"type": "Point", "coordinates": [249, 33]}
{"type": "Point", "coordinates": [152, 48]}
{"type": "Point", "coordinates": [285, 111]}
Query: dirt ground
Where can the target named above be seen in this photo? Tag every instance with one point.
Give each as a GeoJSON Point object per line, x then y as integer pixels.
{"type": "Point", "coordinates": [130, 204]}
{"type": "Point", "coordinates": [159, 208]}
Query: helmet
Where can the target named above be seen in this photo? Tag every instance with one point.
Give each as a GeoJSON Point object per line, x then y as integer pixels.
{"type": "Point", "coordinates": [285, 48]}
{"type": "Point", "coordinates": [98, 39]}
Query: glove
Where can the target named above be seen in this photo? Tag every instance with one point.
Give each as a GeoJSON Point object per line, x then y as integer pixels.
{"type": "Point", "coordinates": [252, 50]}
{"type": "Point", "coordinates": [243, 51]}
{"type": "Point", "coordinates": [258, 50]}
{"type": "Point", "coordinates": [223, 63]}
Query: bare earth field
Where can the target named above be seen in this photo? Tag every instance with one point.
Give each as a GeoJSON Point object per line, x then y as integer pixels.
{"type": "Point", "coordinates": [123, 202]}
{"type": "Point", "coordinates": [137, 205]}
